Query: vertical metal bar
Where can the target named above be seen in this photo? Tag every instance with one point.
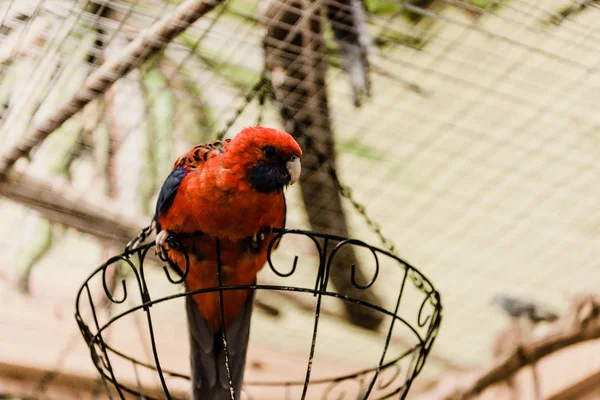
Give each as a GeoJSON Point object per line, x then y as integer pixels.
{"type": "Point", "coordinates": [317, 314]}
{"type": "Point", "coordinates": [102, 345]}
{"type": "Point", "coordinates": [139, 383]}
{"type": "Point", "coordinates": [146, 299]}
{"type": "Point", "coordinates": [222, 309]}
{"type": "Point", "coordinates": [106, 387]}
{"type": "Point", "coordinates": [388, 337]}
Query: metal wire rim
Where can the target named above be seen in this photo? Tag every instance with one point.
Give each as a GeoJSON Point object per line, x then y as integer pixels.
{"type": "Point", "coordinates": [428, 321]}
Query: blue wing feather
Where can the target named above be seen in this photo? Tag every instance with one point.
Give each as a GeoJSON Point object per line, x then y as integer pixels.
{"type": "Point", "coordinates": [168, 192]}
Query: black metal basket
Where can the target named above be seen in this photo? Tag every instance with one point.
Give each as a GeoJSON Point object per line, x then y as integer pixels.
{"type": "Point", "coordinates": [415, 312]}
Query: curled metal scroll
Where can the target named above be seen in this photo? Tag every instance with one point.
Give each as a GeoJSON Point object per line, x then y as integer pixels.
{"type": "Point", "coordinates": [280, 233]}
{"type": "Point", "coordinates": [336, 391]}
{"type": "Point", "coordinates": [127, 261]}
{"type": "Point", "coordinates": [174, 244]}
{"type": "Point", "coordinates": [354, 242]}
{"type": "Point", "coordinates": [384, 382]}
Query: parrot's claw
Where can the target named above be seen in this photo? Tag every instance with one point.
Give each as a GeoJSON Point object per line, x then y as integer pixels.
{"type": "Point", "coordinates": [161, 239]}
{"type": "Point", "coordinates": [254, 241]}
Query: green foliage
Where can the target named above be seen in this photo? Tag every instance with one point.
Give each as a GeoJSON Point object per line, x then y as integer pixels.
{"type": "Point", "coordinates": [54, 152]}
{"type": "Point", "coordinates": [160, 104]}
{"type": "Point", "coordinates": [161, 101]}
{"type": "Point", "coordinates": [382, 7]}
{"type": "Point", "coordinates": [414, 16]}
{"type": "Point", "coordinates": [387, 7]}
{"type": "Point", "coordinates": [395, 37]}
{"type": "Point", "coordinates": [243, 11]}
{"type": "Point", "coordinates": [356, 147]}
{"type": "Point", "coordinates": [249, 6]}
{"type": "Point", "coordinates": [101, 148]}
{"type": "Point", "coordinates": [569, 11]}
{"type": "Point", "coordinates": [35, 250]}
{"type": "Point", "coordinates": [193, 119]}
{"type": "Point", "coordinates": [488, 4]}
{"type": "Point", "coordinates": [236, 75]}
{"type": "Point", "coordinates": [54, 155]}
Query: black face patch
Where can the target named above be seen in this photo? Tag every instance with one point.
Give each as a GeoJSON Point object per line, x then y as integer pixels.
{"type": "Point", "coordinates": [269, 178]}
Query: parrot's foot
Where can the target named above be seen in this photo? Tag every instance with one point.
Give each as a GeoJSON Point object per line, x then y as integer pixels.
{"type": "Point", "coordinates": [256, 238]}
{"type": "Point", "coordinates": [160, 241]}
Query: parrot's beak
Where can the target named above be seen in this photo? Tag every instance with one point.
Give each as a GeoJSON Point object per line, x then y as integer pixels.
{"type": "Point", "coordinates": [294, 168]}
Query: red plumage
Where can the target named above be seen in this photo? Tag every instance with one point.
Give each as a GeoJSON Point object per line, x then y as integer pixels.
{"type": "Point", "coordinates": [216, 196]}
{"type": "Point", "coordinates": [230, 190]}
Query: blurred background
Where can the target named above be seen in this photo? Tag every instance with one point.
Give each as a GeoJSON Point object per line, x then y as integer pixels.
{"type": "Point", "coordinates": [466, 131]}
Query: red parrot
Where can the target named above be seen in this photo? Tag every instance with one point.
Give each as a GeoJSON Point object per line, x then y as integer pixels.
{"type": "Point", "coordinates": [232, 190]}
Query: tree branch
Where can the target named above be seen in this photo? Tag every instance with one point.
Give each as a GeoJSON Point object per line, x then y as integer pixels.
{"type": "Point", "coordinates": [295, 56]}
{"type": "Point", "coordinates": [581, 324]}
{"type": "Point", "coordinates": [58, 202]}
{"type": "Point", "coordinates": [138, 51]}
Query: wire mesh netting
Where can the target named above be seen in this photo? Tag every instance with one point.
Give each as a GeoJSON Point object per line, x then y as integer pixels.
{"type": "Point", "coordinates": [476, 151]}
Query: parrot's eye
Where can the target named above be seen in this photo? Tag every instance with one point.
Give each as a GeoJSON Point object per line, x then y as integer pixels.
{"type": "Point", "coordinates": [270, 151]}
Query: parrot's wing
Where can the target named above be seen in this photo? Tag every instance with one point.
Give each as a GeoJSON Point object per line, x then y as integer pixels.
{"type": "Point", "coordinates": [349, 24]}
{"type": "Point", "coordinates": [168, 192]}
{"type": "Point", "coordinates": [209, 373]}
{"type": "Point", "coordinates": [193, 160]}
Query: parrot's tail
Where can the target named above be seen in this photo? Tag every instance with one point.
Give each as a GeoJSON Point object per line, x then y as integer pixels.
{"type": "Point", "coordinates": [209, 372]}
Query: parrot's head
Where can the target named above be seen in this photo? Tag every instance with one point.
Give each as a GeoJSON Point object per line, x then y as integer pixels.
{"type": "Point", "coordinates": [270, 158]}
